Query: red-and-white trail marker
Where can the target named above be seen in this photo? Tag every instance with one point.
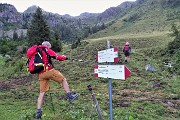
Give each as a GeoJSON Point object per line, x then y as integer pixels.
{"type": "Point", "coordinates": [112, 71]}
{"type": "Point", "coordinates": [108, 55]}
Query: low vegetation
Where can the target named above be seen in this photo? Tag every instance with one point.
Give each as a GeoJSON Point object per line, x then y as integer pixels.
{"type": "Point", "coordinates": [144, 95]}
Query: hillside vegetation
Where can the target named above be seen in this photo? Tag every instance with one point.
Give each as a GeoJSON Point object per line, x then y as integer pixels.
{"type": "Point", "coordinates": [133, 17]}
{"type": "Point", "coordinates": [149, 17]}
{"type": "Point", "coordinates": [144, 95]}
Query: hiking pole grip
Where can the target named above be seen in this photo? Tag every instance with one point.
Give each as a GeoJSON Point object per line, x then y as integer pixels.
{"type": "Point", "coordinates": [89, 87]}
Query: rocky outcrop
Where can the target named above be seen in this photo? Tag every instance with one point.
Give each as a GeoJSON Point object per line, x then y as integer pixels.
{"type": "Point", "coordinates": [31, 9]}
{"type": "Point", "coordinates": [126, 5]}
{"type": "Point", "coordinates": [9, 15]}
{"type": "Point", "coordinates": [115, 11]}
{"type": "Point", "coordinates": [11, 21]}
{"type": "Point", "coordinates": [9, 34]}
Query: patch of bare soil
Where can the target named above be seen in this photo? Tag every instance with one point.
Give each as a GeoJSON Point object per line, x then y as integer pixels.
{"type": "Point", "coordinates": [13, 82]}
{"type": "Point", "coordinates": [172, 103]}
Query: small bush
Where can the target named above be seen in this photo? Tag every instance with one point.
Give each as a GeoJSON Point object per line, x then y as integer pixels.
{"type": "Point", "coordinates": [174, 46]}
{"type": "Point", "coordinates": [177, 62]}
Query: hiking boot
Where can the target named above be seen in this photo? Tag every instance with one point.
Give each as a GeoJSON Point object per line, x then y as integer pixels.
{"type": "Point", "coordinates": [38, 114]}
{"type": "Point", "coordinates": [71, 97]}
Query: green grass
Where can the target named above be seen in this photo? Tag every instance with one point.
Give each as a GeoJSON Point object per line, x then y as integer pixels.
{"type": "Point", "coordinates": [150, 95]}
{"type": "Point", "coordinates": [148, 17]}
{"type": "Point", "coordinates": [12, 67]}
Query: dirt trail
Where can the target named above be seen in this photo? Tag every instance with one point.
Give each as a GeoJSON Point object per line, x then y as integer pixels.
{"type": "Point", "coordinates": [13, 82]}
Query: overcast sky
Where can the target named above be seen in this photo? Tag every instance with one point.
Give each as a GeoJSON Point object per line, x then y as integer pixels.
{"type": "Point", "coordinates": [71, 7]}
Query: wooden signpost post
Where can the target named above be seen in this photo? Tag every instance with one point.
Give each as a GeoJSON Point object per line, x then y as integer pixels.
{"type": "Point", "coordinates": [110, 71]}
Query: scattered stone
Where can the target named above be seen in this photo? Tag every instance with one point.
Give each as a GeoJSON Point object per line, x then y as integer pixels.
{"type": "Point", "coordinates": [149, 67]}
{"type": "Point", "coordinates": [123, 104]}
{"type": "Point", "coordinates": [8, 56]}
{"type": "Point", "coordinates": [168, 64]}
{"type": "Point", "coordinates": [81, 60]}
{"type": "Point", "coordinates": [170, 104]}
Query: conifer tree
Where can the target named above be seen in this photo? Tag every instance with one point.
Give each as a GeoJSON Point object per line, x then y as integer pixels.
{"type": "Point", "coordinates": [174, 45]}
{"type": "Point", "coordinates": [15, 35]}
{"type": "Point", "coordinates": [38, 30]}
{"type": "Point", "coordinates": [56, 43]}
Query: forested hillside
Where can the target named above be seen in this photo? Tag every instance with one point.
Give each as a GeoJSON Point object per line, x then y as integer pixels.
{"type": "Point", "coordinates": [131, 17]}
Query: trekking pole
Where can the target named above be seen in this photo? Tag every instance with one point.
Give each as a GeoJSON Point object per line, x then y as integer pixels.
{"type": "Point", "coordinates": [95, 102]}
{"type": "Point", "coordinates": [52, 104]}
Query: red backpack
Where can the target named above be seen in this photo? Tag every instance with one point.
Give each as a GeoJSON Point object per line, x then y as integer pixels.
{"type": "Point", "coordinates": [126, 48]}
{"type": "Point", "coordinates": [35, 63]}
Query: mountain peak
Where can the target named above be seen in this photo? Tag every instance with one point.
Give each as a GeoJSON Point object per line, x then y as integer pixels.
{"type": "Point", "coordinates": [31, 9]}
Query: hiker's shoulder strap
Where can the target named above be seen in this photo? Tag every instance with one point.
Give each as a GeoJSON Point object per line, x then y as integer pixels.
{"type": "Point", "coordinates": [44, 49]}
{"type": "Point", "coordinates": [48, 56]}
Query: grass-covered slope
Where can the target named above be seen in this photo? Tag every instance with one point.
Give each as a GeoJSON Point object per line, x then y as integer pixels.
{"type": "Point", "coordinates": [148, 17]}
{"type": "Point", "coordinates": [144, 95]}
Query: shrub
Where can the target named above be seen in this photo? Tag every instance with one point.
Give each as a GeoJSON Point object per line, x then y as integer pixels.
{"type": "Point", "coordinates": [174, 46]}
{"type": "Point", "coordinates": [177, 62]}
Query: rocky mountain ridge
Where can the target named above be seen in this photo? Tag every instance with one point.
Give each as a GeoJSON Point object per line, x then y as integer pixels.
{"type": "Point", "coordinates": [12, 21]}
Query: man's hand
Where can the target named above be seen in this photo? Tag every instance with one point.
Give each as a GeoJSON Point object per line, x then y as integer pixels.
{"type": "Point", "coordinates": [62, 57]}
{"type": "Point", "coordinates": [65, 57]}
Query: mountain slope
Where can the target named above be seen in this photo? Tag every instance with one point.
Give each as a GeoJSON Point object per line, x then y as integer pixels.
{"type": "Point", "coordinates": [147, 17]}
{"type": "Point", "coordinates": [145, 95]}
{"type": "Point", "coordinates": [129, 17]}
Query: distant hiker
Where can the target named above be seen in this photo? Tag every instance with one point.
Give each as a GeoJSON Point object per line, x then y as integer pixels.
{"type": "Point", "coordinates": [127, 50]}
{"type": "Point", "coordinates": [49, 73]}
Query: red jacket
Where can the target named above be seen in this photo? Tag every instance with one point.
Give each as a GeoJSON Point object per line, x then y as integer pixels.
{"type": "Point", "coordinates": [52, 54]}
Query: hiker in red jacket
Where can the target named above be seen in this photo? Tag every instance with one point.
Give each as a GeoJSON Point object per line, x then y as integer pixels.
{"type": "Point", "coordinates": [127, 50]}
{"type": "Point", "coordinates": [51, 74]}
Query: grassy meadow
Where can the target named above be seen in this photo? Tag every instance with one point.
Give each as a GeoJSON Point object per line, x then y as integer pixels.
{"type": "Point", "coordinates": [145, 95]}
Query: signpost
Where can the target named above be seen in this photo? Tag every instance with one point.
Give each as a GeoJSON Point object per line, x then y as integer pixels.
{"type": "Point", "coordinates": [110, 71]}
{"type": "Point", "coordinates": [110, 89]}
{"type": "Point", "coordinates": [109, 55]}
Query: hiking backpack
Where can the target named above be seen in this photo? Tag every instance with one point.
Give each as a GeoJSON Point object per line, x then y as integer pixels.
{"type": "Point", "coordinates": [35, 63]}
